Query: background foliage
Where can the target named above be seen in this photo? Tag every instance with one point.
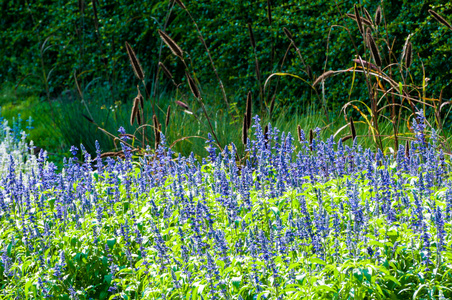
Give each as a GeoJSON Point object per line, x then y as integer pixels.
{"type": "Point", "coordinates": [98, 56]}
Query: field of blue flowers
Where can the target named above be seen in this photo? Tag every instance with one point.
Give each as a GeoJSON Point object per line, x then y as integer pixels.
{"type": "Point", "coordinates": [294, 220]}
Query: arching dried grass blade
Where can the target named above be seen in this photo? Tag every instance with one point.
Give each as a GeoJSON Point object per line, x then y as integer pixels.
{"type": "Point", "coordinates": [345, 138]}
{"type": "Point", "coordinates": [323, 77]}
{"type": "Point", "coordinates": [288, 33]}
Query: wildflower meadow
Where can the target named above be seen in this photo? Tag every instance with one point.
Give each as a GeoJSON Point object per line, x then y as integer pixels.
{"type": "Point", "coordinates": [297, 219]}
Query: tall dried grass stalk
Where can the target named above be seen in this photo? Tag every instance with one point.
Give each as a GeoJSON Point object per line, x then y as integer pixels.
{"type": "Point", "coordinates": [171, 44]}
{"type": "Point", "coordinates": [134, 62]}
{"type": "Point", "coordinates": [180, 3]}
{"type": "Point", "coordinates": [165, 70]}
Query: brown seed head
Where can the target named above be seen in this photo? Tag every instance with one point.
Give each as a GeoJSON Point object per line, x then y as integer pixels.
{"type": "Point", "coordinates": [311, 138]}
{"type": "Point", "coordinates": [352, 129]}
{"type": "Point", "coordinates": [440, 19]}
{"type": "Point", "coordinates": [193, 87]}
{"type": "Point", "coordinates": [299, 132]}
{"type": "Point", "coordinates": [183, 105]}
{"type": "Point", "coordinates": [168, 114]}
{"type": "Point", "coordinates": [373, 49]}
{"type": "Point", "coordinates": [378, 16]}
{"type": "Point", "coordinates": [409, 55]}
{"type": "Point", "coordinates": [358, 20]}
{"type": "Point", "coordinates": [248, 114]}
{"type": "Point", "coordinates": [171, 44]}
{"type": "Point", "coordinates": [134, 62]}
{"type": "Point", "coordinates": [253, 41]}
{"type": "Point", "coordinates": [368, 17]}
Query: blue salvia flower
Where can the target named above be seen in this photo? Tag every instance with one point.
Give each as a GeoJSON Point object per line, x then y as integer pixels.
{"type": "Point", "coordinates": [211, 148]}
{"type": "Point", "coordinates": [440, 232]}
{"type": "Point", "coordinates": [426, 246]}
{"type": "Point", "coordinates": [45, 291]}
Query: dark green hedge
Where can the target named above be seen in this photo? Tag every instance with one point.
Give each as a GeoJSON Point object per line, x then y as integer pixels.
{"type": "Point", "coordinates": [101, 57]}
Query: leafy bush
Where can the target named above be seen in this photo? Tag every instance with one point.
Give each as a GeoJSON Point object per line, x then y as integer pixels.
{"type": "Point", "coordinates": [294, 221]}
{"type": "Point", "coordinates": [95, 49]}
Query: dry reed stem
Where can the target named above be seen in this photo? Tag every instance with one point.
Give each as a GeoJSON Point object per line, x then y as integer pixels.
{"type": "Point", "coordinates": [171, 44]}
{"type": "Point", "coordinates": [346, 138]}
{"type": "Point", "coordinates": [440, 19]}
{"type": "Point", "coordinates": [323, 77]}
{"type": "Point", "coordinates": [165, 70]}
{"type": "Point", "coordinates": [180, 3]}
{"type": "Point", "coordinates": [134, 62]}
{"type": "Point", "coordinates": [288, 33]}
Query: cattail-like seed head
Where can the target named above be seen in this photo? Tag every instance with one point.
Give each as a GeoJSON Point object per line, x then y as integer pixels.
{"type": "Point", "coordinates": [358, 20]}
{"type": "Point", "coordinates": [193, 87]}
{"type": "Point", "coordinates": [269, 12]}
{"type": "Point", "coordinates": [288, 33]}
{"type": "Point", "coordinates": [440, 19]}
{"type": "Point", "coordinates": [311, 138]}
{"type": "Point", "coordinates": [253, 41]}
{"type": "Point", "coordinates": [378, 16]}
{"type": "Point", "coordinates": [373, 49]}
{"type": "Point", "coordinates": [168, 114]}
{"type": "Point", "coordinates": [368, 17]}
{"type": "Point", "coordinates": [245, 129]}
{"type": "Point", "coordinates": [165, 70]}
{"type": "Point", "coordinates": [156, 130]}
{"type": "Point", "coordinates": [352, 128]}
{"type": "Point", "coordinates": [180, 3]}
{"type": "Point", "coordinates": [183, 105]}
{"type": "Point", "coordinates": [249, 103]}
{"type": "Point", "coordinates": [409, 55]}
{"type": "Point", "coordinates": [134, 62]}
{"type": "Point", "coordinates": [346, 138]}
{"type": "Point", "coordinates": [299, 132]}
{"type": "Point", "coordinates": [171, 44]}
{"type": "Point", "coordinates": [135, 110]}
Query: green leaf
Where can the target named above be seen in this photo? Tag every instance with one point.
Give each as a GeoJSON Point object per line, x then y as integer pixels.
{"type": "Point", "coordinates": [111, 243]}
